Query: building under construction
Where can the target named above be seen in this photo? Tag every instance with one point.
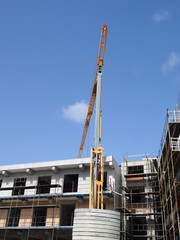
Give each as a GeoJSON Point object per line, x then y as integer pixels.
{"type": "Point", "coordinates": [38, 200]}
{"type": "Point", "coordinates": [95, 198]}
{"type": "Point", "coordinates": [150, 203]}
{"type": "Point", "coordinates": [141, 208]}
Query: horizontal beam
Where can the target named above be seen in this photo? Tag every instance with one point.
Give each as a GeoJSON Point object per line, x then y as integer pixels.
{"type": "Point", "coordinates": [140, 175]}
{"type": "Point", "coordinates": [30, 187]}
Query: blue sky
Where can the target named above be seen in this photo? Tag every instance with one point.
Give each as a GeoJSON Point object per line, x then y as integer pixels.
{"type": "Point", "coordinates": [48, 53]}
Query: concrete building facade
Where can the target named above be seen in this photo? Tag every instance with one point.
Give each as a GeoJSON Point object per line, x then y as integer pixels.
{"type": "Point", "coordinates": [37, 200]}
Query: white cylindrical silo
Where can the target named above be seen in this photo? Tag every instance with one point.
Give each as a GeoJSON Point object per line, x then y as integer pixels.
{"type": "Point", "coordinates": [96, 224]}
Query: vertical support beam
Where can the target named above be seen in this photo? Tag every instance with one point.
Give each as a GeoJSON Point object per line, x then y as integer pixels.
{"type": "Point", "coordinates": [102, 180]}
{"type": "Point", "coordinates": [171, 161]}
{"type": "Point", "coordinates": [98, 195]}
{"type": "Point", "coordinates": [96, 185]}
{"type": "Point", "coordinates": [97, 133]}
{"type": "Point", "coordinates": [95, 195]}
{"type": "Point", "coordinates": [91, 180]}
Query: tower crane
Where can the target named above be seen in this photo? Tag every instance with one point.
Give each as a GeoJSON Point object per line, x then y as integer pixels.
{"type": "Point", "coordinates": [96, 164]}
{"type": "Point", "coordinates": [100, 63]}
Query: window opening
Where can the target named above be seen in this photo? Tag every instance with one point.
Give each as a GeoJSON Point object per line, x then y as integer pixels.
{"type": "Point", "coordinates": [137, 198]}
{"type": "Point", "coordinates": [13, 217]}
{"type": "Point", "coordinates": [139, 228]}
{"type": "Point", "coordinates": [0, 183]}
{"type": "Point", "coordinates": [70, 183]}
{"type": "Point", "coordinates": [136, 169]}
{"type": "Point", "coordinates": [18, 187]}
{"type": "Point", "coordinates": [39, 217]}
{"type": "Point", "coordinates": [67, 214]}
{"type": "Point", "coordinates": [44, 184]}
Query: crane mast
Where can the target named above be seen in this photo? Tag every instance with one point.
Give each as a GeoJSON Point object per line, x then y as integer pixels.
{"type": "Point", "coordinates": [97, 164]}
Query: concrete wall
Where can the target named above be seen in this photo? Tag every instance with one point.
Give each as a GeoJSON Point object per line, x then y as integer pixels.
{"type": "Point", "coordinates": [53, 217]}
{"type": "Point", "coordinates": [26, 217]}
{"type": "Point", "coordinates": [3, 216]}
{"type": "Point", "coordinates": [57, 178]}
{"type": "Point", "coordinates": [113, 175]}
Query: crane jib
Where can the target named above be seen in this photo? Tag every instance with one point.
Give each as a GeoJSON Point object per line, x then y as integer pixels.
{"type": "Point", "coordinates": [100, 63]}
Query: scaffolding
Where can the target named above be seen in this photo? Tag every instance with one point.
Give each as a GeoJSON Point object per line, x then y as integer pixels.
{"type": "Point", "coordinates": [43, 208]}
{"type": "Point", "coordinates": [169, 174]}
{"type": "Point", "coordinates": [152, 210]}
{"type": "Point", "coordinates": [35, 216]}
{"type": "Point", "coordinates": [140, 205]}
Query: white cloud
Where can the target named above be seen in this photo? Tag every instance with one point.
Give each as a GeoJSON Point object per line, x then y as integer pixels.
{"type": "Point", "coordinates": [160, 16]}
{"type": "Point", "coordinates": [172, 61]}
{"type": "Point", "coordinates": [75, 112]}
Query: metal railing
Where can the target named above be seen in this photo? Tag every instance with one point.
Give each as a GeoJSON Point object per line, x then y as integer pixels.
{"type": "Point", "coordinates": [175, 144]}
{"type": "Point", "coordinates": [70, 187]}
{"type": "Point", "coordinates": [39, 221]}
{"type": "Point", "coordinates": [144, 205]}
{"type": "Point", "coordinates": [65, 220]}
{"type": "Point", "coordinates": [145, 227]}
{"type": "Point", "coordinates": [174, 116]}
{"type": "Point", "coordinates": [12, 221]}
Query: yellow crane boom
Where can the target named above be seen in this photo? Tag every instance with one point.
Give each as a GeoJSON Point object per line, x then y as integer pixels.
{"type": "Point", "coordinates": [100, 63]}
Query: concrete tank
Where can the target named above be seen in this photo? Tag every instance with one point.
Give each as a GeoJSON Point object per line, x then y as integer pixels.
{"type": "Point", "coordinates": [96, 224]}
